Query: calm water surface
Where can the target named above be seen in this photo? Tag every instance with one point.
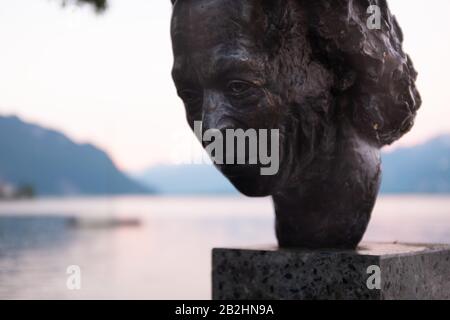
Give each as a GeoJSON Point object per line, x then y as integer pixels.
{"type": "Point", "coordinates": [168, 255]}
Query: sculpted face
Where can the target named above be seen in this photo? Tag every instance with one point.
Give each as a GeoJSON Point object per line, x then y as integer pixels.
{"type": "Point", "coordinates": [230, 77]}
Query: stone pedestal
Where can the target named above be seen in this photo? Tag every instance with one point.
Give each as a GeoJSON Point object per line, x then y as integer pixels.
{"type": "Point", "coordinates": [373, 271]}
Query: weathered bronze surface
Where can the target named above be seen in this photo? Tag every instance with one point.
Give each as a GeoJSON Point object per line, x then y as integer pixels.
{"type": "Point", "coordinates": [336, 89]}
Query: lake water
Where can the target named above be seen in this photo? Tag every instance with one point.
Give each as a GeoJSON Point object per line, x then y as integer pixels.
{"type": "Point", "coordinates": [167, 256]}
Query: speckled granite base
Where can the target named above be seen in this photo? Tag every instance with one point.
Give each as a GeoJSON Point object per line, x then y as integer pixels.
{"type": "Point", "coordinates": [407, 272]}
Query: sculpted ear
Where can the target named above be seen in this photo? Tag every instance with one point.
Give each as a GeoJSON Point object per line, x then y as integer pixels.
{"type": "Point", "coordinates": [376, 79]}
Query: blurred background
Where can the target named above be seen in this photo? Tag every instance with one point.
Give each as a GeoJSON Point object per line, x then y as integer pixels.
{"type": "Point", "coordinates": [99, 169]}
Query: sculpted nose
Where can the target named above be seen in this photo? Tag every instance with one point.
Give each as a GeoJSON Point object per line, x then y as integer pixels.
{"type": "Point", "coordinates": [215, 112]}
{"type": "Point", "coordinates": [211, 101]}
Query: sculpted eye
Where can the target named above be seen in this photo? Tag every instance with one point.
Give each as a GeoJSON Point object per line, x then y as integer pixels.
{"type": "Point", "coordinates": [189, 96]}
{"type": "Point", "coordinates": [238, 86]}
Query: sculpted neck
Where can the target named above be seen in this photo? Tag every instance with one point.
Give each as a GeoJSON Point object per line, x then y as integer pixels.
{"type": "Point", "coordinates": [331, 210]}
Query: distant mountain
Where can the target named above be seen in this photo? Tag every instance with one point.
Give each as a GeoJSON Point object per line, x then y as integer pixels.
{"type": "Point", "coordinates": [187, 179]}
{"type": "Point", "coordinates": [52, 164]}
{"type": "Point", "coordinates": [420, 169]}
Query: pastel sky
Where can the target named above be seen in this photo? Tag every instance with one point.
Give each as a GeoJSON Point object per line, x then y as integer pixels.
{"type": "Point", "coordinates": [106, 79]}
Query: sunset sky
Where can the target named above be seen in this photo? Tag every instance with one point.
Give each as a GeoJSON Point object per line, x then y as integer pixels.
{"type": "Point", "coordinates": [106, 79]}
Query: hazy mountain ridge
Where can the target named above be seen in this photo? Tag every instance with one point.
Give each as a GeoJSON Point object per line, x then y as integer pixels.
{"type": "Point", "coordinates": [424, 168]}
{"type": "Point", "coordinates": [52, 164]}
{"type": "Point", "coordinates": [55, 165]}
{"type": "Point", "coordinates": [187, 179]}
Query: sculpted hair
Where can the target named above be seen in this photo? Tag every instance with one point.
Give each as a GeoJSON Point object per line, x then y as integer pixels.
{"type": "Point", "coordinates": [376, 79]}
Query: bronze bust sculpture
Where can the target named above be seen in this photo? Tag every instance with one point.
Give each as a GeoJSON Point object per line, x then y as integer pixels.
{"type": "Point", "coordinates": [336, 90]}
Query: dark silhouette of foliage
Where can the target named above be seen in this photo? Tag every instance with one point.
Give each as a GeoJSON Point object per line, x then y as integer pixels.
{"type": "Point", "coordinates": [99, 5]}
